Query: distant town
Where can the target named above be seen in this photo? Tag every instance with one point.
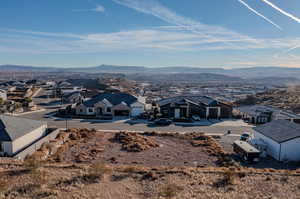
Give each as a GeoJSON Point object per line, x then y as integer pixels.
{"type": "Point", "coordinates": [219, 121]}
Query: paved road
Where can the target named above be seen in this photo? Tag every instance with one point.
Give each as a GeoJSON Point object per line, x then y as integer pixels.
{"type": "Point", "coordinates": [236, 127]}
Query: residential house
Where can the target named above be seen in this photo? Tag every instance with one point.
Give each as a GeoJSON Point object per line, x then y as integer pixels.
{"type": "Point", "coordinates": [115, 104]}
{"type": "Point", "coordinates": [281, 138]}
{"type": "Point", "coordinates": [259, 114]}
{"type": "Point", "coordinates": [187, 106]}
{"type": "Point", "coordinates": [72, 98]}
{"type": "Point", "coordinates": [7, 87]}
{"type": "Point", "coordinates": [70, 89]}
{"type": "Point", "coordinates": [18, 133]}
{"type": "Point", "coordinates": [3, 94]}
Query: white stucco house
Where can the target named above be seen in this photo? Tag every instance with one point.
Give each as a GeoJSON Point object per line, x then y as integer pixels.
{"type": "Point", "coordinates": [18, 133]}
{"type": "Point", "coordinates": [114, 104]}
{"type": "Point", "coordinates": [281, 138]}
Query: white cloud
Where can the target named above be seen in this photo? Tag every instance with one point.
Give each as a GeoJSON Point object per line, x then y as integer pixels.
{"type": "Point", "coordinates": [156, 9]}
{"type": "Point", "coordinates": [98, 8]}
{"type": "Point", "coordinates": [259, 14]}
{"type": "Point", "coordinates": [165, 39]}
{"type": "Point", "coordinates": [282, 11]}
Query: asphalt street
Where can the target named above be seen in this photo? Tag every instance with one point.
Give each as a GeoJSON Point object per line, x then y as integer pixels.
{"type": "Point", "coordinates": [220, 127]}
{"type": "Point", "coordinates": [236, 127]}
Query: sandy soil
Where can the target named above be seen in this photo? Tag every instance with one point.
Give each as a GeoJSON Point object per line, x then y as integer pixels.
{"type": "Point", "coordinates": [67, 181]}
{"type": "Point", "coordinates": [171, 152]}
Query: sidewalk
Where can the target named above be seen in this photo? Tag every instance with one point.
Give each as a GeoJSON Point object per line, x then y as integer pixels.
{"type": "Point", "coordinates": [24, 113]}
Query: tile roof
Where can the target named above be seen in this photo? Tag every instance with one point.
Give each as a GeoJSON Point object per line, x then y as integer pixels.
{"type": "Point", "coordinates": [279, 130]}
{"type": "Point", "coordinates": [11, 128]}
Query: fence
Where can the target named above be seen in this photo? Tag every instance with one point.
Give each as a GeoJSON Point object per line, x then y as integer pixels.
{"type": "Point", "coordinates": [37, 144]}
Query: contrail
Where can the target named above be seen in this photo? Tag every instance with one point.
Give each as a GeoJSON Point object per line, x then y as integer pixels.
{"type": "Point", "coordinates": [293, 48]}
{"type": "Point", "coordinates": [259, 14]}
{"type": "Point", "coordinates": [282, 11]}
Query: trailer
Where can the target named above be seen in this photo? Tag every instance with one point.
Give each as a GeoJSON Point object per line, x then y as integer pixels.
{"type": "Point", "coordinates": [246, 151]}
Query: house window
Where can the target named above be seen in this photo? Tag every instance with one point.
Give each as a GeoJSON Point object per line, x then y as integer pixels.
{"type": "Point", "coordinates": [91, 110]}
{"type": "Point", "coordinates": [108, 109]}
{"type": "Point", "coordinates": [81, 110]}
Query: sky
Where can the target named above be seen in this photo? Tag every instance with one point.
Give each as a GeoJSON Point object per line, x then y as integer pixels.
{"type": "Point", "coordinates": [153, 33]}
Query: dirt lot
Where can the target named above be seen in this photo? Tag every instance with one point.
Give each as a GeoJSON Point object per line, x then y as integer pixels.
{"type": "Point", "coordinates": [171, 151]}
{"type": "Point", "coordinates": [77, 181]}
{"type": "Point", "coordinates": [90, 164]}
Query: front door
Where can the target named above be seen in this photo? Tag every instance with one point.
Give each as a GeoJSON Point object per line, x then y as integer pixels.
{"type": "Point", "coordinates": [177, 113]}
{"type": "Point", "coordinates": [99, 111]}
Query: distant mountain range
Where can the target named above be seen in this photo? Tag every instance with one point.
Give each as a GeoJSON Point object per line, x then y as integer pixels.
{"type": "Point", "coordinates": [253, 72]}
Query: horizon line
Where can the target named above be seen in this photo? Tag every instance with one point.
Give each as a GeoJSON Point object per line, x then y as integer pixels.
{"type": "Point", "coordinates": [152, 67]}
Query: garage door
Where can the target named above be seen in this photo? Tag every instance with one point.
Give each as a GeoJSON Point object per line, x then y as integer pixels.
{"type": "Point", "coordinates": [213, 113]}
{"type": "Point", "coordinates": [136, 111]}
{"type": "Point", "coordinates": [121, 113]}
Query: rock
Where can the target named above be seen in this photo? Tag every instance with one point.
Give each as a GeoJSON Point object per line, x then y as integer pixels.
{"type": "Point", "coordinates": [133, 142]}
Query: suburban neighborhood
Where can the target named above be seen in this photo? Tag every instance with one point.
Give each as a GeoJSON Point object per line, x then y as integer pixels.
{"type": "Point", "coordinates": [85, 120]}
{"type": "Point", "coordinates": [272, 131]}
{"type": "Point", "coordinates": [149, 99]}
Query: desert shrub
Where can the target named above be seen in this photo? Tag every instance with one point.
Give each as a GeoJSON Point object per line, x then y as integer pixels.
{"type": "Point", "coordinates": [32, 162]}
{"type": "Point", "coordinates": [150, 176]}
{"type": "Point", "coordinates": [129, 169]}
{"type": "Point", "coordinates": [98, 170]}
{"type": "Point", "coordinates": [286, 176]}
{"type": "Point", "coordinates": [133, 142]}
{"type": "Point", "coordinates": [170, 191]}
{"type": "Point", "coordinates": [39, 177]}
{"type": "Point", "coordinates": [229, 176]}
{"type": "Point", "coordinates": [3, 186]}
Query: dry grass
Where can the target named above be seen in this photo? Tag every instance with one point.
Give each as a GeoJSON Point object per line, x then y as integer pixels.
{"type": "Point", "coordinates": [65, 181]}
{"type": "Point", "coordinates": [170, 191]}
{"type": "Point", "coordinates": [39, 177]}
{"type": "Point", "coordinates": [61, 180]}
{"type": "Point", "coordinates": [97, 171]}
{"type": "Point", "coordinates": [229, 176]}
{"type": "Point", "coordinates": [133, 142]}
{"type": "Point", "coordinates": [32, 162]}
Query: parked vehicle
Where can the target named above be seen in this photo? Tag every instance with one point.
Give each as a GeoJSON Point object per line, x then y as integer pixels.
{"type": "Point", "coordinates": [246, 151]}
{"type": "Point", "coordinates": [245, 137]}
{"type": "Point", "coordinates": [163, 122]}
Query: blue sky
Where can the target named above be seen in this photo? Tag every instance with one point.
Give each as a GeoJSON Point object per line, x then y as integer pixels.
{"type": "Point", "coordinates": [201, 33]}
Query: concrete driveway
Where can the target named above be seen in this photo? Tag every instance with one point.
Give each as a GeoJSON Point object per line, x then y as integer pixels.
{"type": "Point", "coordinates": [211, 127]}
{"type": "Point", "coordinates": [236, 127]}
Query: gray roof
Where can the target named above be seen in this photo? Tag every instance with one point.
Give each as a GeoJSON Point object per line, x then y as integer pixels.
{"type": "Point", "coordinates": [113, 98]}
{"type": "Point", "coordinates": [279, 130]}
{"type": "Point", "coordinates": [195, 99]}
{"type": "Point", "coordinates": [11, 128]}
{"type": "Point", "coordinates": [256, 110]}
{"type": "Point", "coordinates": [246, 146]}
{"type": "Point", "coordinates": [72, 94]}
{"type": "Point", "coordinates": [261, 110]}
